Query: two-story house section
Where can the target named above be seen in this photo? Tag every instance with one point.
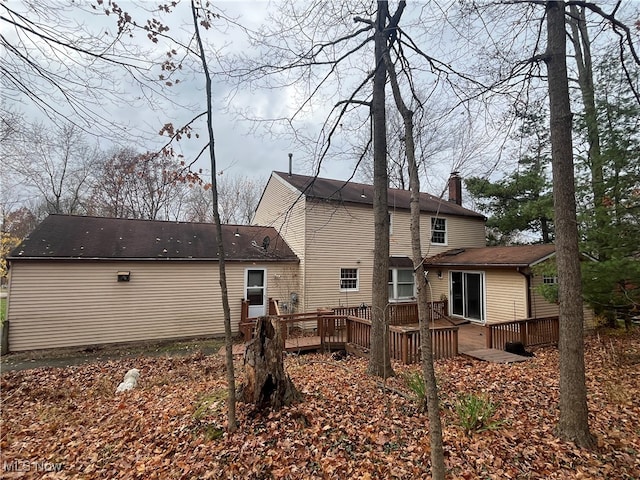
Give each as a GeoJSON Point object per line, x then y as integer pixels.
{"type": "Point", "coordinates": [329, 225]}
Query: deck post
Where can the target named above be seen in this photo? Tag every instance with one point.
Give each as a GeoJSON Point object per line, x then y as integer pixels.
{"type": "Point", "coordinates": [488, 333]}
{"type": "Point", "coordinates": [244, 310]}
{"type": "Point", "coordinates": [523, 333]}
{"type": "Point", "coordinates": [320, 328]}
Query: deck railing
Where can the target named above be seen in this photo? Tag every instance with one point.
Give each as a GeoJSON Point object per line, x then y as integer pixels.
{"type": "Point", "coordinates": [287, 321]}
{"type": "Point", "coordinates": [404, 340]}
{"type": "Point", "coordinates": [405, 313]}
{"type": "Point", "coordinates": [341, 330]}
{"type": "Point", "coordinates": [529, 331]}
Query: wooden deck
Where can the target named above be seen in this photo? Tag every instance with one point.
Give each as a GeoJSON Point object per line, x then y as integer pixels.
{"type": "Point", "coordinates": [350, 328]}
{"type": "Point", "coordinates": [471, 342]}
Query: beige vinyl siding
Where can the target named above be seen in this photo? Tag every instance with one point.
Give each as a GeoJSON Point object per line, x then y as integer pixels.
{"type": "Point", "coordinates": [462, 232]}
{"type": "Point", "coordinates": [337, 237]}
{"type": "Point", "coordinates": [66, 303]}
{"type": "Point", "coordinates": [505, 292]}
{"type": "Point", "coordinates": [342, 236]}
{"type": "Point", "coordinates": [281, 208]}
{"type": "Point", "coordinates": [540, 307]}
{"type": "Point", "coordinates": [506, 295]}
{"type": "Point", "coordinates": [438, 287]}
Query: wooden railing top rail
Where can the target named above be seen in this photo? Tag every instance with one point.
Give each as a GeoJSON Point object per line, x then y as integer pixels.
{"type": "Point", "coordinates": [522, 320]}
{"type": "Point", "coordinates": [415, 328]}
{"type": "Point", "coordinates": [293, 317]}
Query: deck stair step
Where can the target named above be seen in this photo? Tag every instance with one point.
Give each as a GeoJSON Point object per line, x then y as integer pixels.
{"type": "Point", "coordinates": [495, 356]}
{"type": "Point", "coordinates": [456, 321]}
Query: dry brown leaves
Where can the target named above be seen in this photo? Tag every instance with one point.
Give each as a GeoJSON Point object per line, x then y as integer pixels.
{"type": "Point", "coordinates": [349, 426]}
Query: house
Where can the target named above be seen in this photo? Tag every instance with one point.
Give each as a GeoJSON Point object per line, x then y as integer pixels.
{"type": "Point", "coordinates": [494, 284]}
{"type": "Point", "coordinates": [86, 280]}
{"type": "Point", "coordinates": [79, 281]}
{"type": "Point", "coordinates": [329, 225]}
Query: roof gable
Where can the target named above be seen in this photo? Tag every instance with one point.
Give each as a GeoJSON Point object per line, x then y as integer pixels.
{"type": "Point", "coordinates": [341, 191]}
{"type": "Point", "coordinates": [69, 236]}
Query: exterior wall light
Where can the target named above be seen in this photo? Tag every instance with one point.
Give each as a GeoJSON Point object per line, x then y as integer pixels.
{"type": "Point", "coordinates": [124, 276]}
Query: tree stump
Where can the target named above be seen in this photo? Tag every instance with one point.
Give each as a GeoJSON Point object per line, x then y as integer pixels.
{"type": "Point", "coordinates": [266, 384]}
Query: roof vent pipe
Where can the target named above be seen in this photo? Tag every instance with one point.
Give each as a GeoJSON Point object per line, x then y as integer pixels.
{"type": "Point", "coordinates": [290, 163]}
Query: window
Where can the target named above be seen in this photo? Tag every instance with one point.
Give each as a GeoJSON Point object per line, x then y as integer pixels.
{"type": "Point", "coordinates": [439, 231]}
{"type": "Point", "coordinates": [549, 279]}
{"type": "Point", "coordinates": [401, 284]}
{"type": "Point", "coordinates": [348, 279]}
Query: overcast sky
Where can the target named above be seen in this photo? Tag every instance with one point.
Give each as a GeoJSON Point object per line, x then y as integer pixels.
{"type": "Point", "coordinates": [242, 146]}
{"type": "Point", "coordinates": [245, 147]}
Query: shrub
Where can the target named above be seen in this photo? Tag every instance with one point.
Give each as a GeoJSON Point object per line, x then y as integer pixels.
{"type": "Point", "coordinates": [476, 412]}
{"type": "Point", "coordinates": [415, 383]}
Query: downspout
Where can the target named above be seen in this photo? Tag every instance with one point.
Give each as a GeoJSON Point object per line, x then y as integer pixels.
{"type": "Point", "coordinates": [527, 275]}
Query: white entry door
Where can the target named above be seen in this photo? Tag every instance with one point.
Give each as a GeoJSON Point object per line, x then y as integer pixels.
{"type": "Point", "coordinates": [255, 281]}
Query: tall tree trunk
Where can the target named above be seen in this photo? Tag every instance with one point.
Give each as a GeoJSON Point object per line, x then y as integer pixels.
{"type": "Point", "coordinates": [582, 47]}
{"type": "Point", "coordinates": [428, 371]}
{"type": "Point", "coordinates": [231, 381]}
{"type": "Point", "coordinates": [573, 424]}
{"type": "Point", "coordinates": [379, 361]}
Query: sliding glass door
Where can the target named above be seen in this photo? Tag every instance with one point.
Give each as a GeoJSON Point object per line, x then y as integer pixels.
{"type": "Point", "coordinates": [467, 295]}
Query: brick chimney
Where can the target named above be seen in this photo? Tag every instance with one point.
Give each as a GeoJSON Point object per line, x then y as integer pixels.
{"type": "Point", "coordinates": [455, 188]}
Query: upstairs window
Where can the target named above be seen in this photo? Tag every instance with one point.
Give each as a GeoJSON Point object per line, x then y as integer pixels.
{"type": "Point", "coordinates": [439, 231]}
{"type": "Point", "coordinates": [348, 279]}
{"type": "Point", "coordinates": [549, 279]}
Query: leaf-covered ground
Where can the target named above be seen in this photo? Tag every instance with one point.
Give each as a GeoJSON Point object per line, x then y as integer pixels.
{"type": "Point", "coordinates": [349, 425]}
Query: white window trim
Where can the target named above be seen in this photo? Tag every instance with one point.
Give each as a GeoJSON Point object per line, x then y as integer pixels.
{"type": "Point", "coordinates": [446, 231]}
{"type": "Point", "coordinates": [394, 283]}
{"type": "Point", "coordinates": [357, 289]}
{"type": "Point", "coordinates": [265, 294]}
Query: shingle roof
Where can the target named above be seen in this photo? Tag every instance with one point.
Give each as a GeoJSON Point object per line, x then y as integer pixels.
{"type": "Point", "coordinates": [351, 192]}
{"type": "Point", "coordinates": [79, 237]}
{"type": "Point", "coordinates": [499, 256]}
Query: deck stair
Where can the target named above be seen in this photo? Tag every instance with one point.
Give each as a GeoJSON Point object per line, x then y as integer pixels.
{"type": "Point", "coordinates": [455, 321]}
{"type": "Point", "coordinates": [494, 355]}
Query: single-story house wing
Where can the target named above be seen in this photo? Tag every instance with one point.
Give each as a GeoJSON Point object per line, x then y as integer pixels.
{"type": "Point", "coordinates": [494, 284]}
{"type": "Point", "coordinates": [79, 280]}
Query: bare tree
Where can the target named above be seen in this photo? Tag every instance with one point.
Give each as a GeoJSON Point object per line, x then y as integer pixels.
{"type": "Point", "coordinates": [583, 58]}
{"type": "Point", "coordinates": [574, 417]}
{"type": "Point", "coordinates": [426, 350]}
{"type": "Point", "coordinates": [238, 196]}
{"type": "Point", "coordinates": [73, 65]}
{"type": "Point", "coordinates": [139, 185]}
{"type": "Point", "coordinates": [54, 165]}
{"type": "Point", "coordinates": [202, 16]}
{"type": "Point", "coordinates": [198, 205]}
